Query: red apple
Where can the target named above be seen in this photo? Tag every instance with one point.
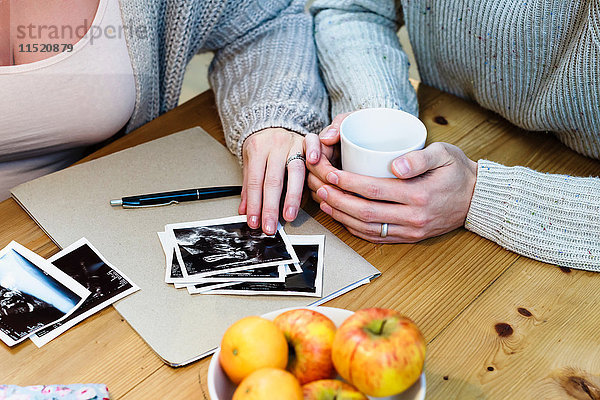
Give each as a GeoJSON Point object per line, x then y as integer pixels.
{"type": "Point", "coordinates": [331, 389]}
{"type": "Point", "coordinates": [310, 336]}
{"type": "Point", "coordinates": [379, 351]}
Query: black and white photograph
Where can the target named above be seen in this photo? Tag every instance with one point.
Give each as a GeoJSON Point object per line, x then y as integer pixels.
{"type": "Point", "coordinates": [174, 275]}
{"type": "Point", "coordinates": [82, 262]}
{"type": "Point", "coordinates": [309, 249]}
{"type": "Point", "coordinates": [205, 287]}
{"type": "Point", "coordinates": [33, 294]}
{"type": "Point", "coordinates": [173, 272]}
{"type": "Point", "coordinates": [294, 268]}
{"type": "Point", "coordinates": [213, 247]}
{"type": "Point", "coordinates": [265, 274]}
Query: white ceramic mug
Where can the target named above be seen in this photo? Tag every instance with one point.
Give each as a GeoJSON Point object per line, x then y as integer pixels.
{"type": "Point", "coordinates": [373, 137]}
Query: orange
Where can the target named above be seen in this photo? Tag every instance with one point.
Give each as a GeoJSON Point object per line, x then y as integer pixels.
{"type": "Point", "coordinates": [269, 383]}
{"type": "Point", "coordinates": [250, 344]}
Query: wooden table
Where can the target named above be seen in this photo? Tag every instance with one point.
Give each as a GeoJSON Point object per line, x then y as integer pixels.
{"type": "Point", "coordinates": [498, 325]}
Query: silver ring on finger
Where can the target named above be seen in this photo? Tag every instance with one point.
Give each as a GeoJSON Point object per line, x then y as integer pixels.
{"type": "Point", "coordinates": [297, 156]}
{"type": "Point", "coordinates": [384, 230]}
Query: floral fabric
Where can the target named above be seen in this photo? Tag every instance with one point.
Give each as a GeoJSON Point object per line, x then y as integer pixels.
{"type": "Point", "coordinates": [55, 392]}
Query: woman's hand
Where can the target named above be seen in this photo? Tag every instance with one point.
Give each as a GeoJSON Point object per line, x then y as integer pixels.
{"type": "Point", "coordinates": [265, 154]}
{"type": "Point", "coordinates": [324, 144]}
{"type": "Point", "coordinates": [431, 197]}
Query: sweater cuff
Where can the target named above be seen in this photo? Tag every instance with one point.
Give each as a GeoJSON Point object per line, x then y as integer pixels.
{"type": "Point", "coordinates": [548, 217]}
{"type": "Point", "coordinates": [488, 210]}
{"type": "Point", "coordinates": [294, 117]}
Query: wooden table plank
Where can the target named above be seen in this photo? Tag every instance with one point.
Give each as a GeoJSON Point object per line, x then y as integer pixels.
{"type": "Point", "coordinates": [533, 334]}
{"type": "Point", "coordinates": [103, 349]}
{"type": "Point", "coordinates": [168, 384]}
{"type": "Point", "coordinates": [16, 225]}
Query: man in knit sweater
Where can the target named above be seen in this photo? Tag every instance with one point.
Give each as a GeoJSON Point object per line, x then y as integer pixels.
{"type": "Point", "coordinates": [536, 63]}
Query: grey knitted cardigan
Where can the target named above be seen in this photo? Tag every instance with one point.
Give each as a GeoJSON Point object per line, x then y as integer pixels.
{"type": "Point", "coordinates": [535, 62]}
{"type": "Point", "coordinates": [264, 74]}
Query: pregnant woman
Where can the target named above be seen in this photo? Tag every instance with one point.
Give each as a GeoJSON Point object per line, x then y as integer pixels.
{"type": "Point", "coordinates": [73, 73]}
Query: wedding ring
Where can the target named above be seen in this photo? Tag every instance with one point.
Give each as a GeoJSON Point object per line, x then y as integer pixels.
{"type": "Point", "coordinates": [384, 230]}
{"type": "Point", "coordinates": [297, 156]}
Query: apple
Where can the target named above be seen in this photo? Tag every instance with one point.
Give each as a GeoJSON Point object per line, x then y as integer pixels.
{"type": "Point", "coordinates": [379, 351]}
{"type": "Point", "coordinates": [310, 337]}
{"type": "Point", "coordinates": [331, 389]}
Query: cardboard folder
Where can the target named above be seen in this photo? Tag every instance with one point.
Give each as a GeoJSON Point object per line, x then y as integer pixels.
{"type": "Point", "coordinates": [179, 327]}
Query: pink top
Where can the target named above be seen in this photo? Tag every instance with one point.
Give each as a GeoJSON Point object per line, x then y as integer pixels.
{"type": "Point", "coordinates": [53, 109]}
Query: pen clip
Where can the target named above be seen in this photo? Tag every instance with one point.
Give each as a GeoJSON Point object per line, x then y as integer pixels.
{"type": "Point", "coordinates": [152, 205]}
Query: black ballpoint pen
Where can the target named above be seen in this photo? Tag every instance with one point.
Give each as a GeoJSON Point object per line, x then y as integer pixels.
{"type": "Point", "coordinates": [166, 198]}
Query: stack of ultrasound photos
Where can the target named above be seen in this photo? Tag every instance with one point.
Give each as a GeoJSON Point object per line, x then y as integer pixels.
{"type": "Point", "coordinates": [40, 299]}
{"type": "Point", "coordinates": [225, 256]}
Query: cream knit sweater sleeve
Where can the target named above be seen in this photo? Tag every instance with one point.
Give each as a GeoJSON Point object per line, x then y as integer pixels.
{"type": "Point", "coordinates": [547, 217]}
{"type": "Point", "coordinates": [265, 72]}
{"type": "Point", "coordinates": [361, 59]}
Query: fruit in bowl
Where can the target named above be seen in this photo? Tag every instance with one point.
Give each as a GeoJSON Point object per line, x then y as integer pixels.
{"type": "Point", "coordinates": [331, 389]}
{"type": "Point", "coordinates": [269, 383]}
{"type": "Point", "coordinates": [310, 337]}
{"type": "Point", "coordinates": [221, 387]}
{"type": "Point", "coordinates": [379, 351]}
{"type": "Point", "coordinates": [250, 344]}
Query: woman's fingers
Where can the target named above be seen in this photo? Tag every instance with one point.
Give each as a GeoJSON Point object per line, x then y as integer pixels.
{"type": "Point", "coordinates": [322, 168]}
{"type": "Point", "coordinates": [265, 155]}
{"type": "Point", "coordinates": [312, 148]}
{"type": "Point", "coordinates": [296, 172]}
{"type": "Point", "coordinates": [331, 135]}
{"type": "Point", "coordinates": [272, 188]}
{"type": "Point", "coordinates": [328, 136]}
{"type": "Point", "coordinates": [243, 195]}
{"type": "Point", "coordinates": [254, 187]}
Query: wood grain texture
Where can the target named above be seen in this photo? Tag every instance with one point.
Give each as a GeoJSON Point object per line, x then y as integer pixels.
{"type": "Point", "coordinates": [532, 335]}
{"type": "Point", "coordinates": [15, 224]}
{"type": "Point", "coordinates": [102, 349]}
{"type": "Point", "coordinates": [457, 288]}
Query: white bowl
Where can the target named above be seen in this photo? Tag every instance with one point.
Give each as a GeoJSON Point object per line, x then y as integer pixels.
{"type": "Point", "coordinates": [221, 388]}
